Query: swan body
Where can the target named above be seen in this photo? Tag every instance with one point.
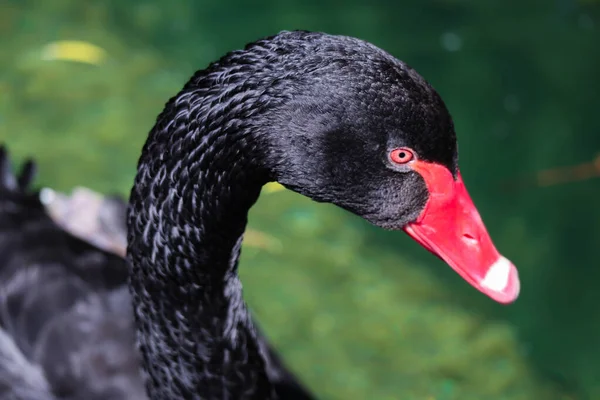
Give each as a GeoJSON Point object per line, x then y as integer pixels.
{"type": "Point", "coordinates": [67, 328]}
{"type": "Point", "coordinates": [330, 117]}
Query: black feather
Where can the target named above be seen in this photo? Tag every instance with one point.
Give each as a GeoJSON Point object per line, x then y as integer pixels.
{"type": "Point", "coordinates": [66, 323]}
{"type": "Point", "coordinates": [316, 112]}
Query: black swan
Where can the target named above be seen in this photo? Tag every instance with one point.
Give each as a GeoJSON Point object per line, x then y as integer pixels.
{"type": "Point", "coordinates": [331, 117]}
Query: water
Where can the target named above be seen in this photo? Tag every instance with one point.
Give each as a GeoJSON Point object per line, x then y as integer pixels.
{"type": "Point", "coordinates": [361, 313]}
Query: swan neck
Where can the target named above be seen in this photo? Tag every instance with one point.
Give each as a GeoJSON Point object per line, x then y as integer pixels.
{"type": "Point", "coordinates": [188, 210]}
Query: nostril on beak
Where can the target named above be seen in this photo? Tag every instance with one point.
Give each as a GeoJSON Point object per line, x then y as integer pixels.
{"type": "Point", "coordinates": [469, 239]}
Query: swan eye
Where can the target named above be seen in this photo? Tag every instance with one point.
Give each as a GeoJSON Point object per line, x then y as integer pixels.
{"type": "Point", "coordinates": [402, 155]}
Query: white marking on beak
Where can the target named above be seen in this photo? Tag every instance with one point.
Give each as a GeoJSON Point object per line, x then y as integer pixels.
{"type": "Point", "coordinates": [496, 278]}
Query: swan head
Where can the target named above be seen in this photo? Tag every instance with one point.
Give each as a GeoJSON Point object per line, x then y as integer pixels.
{"type": "Point", "coordinates": [362, 130]}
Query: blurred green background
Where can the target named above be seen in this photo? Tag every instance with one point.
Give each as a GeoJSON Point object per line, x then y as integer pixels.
{"type": "Point", "coordinates": [357, 312]}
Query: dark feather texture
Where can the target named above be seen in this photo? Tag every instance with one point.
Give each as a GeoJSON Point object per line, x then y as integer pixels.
{"type": "Point", "coordinates": [65, 314]}
{"type": "Point", "coordinates": [66, 323]}
{"type": "Point", "coordinates": [316, 112]}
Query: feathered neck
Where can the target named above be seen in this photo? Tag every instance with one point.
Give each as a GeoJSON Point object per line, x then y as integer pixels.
{"type": "Point", "coordinates": [199, 174]}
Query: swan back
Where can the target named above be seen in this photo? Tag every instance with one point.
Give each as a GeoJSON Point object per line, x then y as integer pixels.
{"type": "Point", "coordinates": [65, 315]}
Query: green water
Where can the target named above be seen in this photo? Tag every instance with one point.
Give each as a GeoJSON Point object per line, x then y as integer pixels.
{"type": "Point", "coordinates": [357, 312]}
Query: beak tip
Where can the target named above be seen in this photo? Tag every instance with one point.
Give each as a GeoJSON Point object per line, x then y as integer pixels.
{"type": "Point", "coordinates": [501, 282]}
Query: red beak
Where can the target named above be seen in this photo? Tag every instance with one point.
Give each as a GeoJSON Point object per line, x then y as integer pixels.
{"type": "Point", "coordinates": [451, 228]}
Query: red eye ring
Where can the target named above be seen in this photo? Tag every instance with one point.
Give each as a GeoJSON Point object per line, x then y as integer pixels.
{"type": "Point", "coordinates": [402, 155]}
